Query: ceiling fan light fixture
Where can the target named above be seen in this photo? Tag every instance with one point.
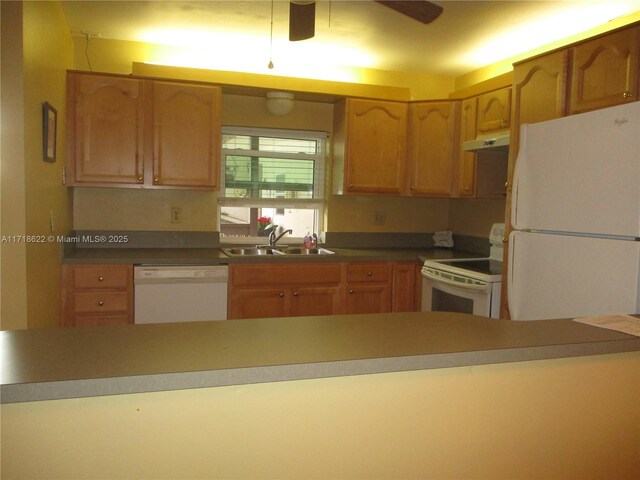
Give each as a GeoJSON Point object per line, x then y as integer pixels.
{"type": "Point", "coordinates": [280, 103]}
{"type": "Point", "coordinates": [302, 20]}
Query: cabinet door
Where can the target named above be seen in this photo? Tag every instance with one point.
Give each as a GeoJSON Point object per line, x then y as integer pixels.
{"type": "Point", "coordinates": [375, 148]}
{"type": "Point", "coordinates": [605, 71]}
{"type": "Point", "coordinates": [464, 173]}
{"type": "Point", "coordinates": [494, 111]}
{"type": "Point", "coordinates": [106, 129]}
{"type": "Point", "coordinates": [404, 289]}
{"type": "Point", "coordinates": [432, 137]}
{"type": "Point", "coordinates": [315, 301]}
{"type": "Point", "coordinates": [369, 299]}
{"type": "Point", "coordinates": [186, 135]}
{"type": "Point", "coordinates": [258, 303]}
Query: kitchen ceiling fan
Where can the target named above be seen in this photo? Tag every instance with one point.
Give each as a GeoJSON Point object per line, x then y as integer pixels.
{"type": "Point", "coordinates": [302, 14]}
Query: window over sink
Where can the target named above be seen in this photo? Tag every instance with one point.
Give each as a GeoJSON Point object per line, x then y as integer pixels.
{"type": "Point", "coordinates": [272, 180]}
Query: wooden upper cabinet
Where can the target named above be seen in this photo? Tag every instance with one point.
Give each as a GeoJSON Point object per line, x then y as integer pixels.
{"type": "Point", "coordinates": [540, 89]}
{"type": "Point", "coordinates": [106, 129]}
{"type": "Point", "coordinates": [432, 147]}
{"type": "Point", "coordinates": [605, 71]}
{"type": "Point", "coordinates": [186, 135]}
{"type": "Point", "coordinates": [494, 111]}
{"type": "Point", "coordinates": [132, 132]}
{"type": "Point", "coordinates": [464, 173]}
{"type": "Point", "coordinates": [369, 146]}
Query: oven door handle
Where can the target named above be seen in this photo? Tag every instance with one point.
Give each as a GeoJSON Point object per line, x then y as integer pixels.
{"type": "Point", "coordinates": [465, 286]}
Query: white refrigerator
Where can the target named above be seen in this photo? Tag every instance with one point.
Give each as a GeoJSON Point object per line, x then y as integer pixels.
{"type": "Point", "coordinates": [574, 250]}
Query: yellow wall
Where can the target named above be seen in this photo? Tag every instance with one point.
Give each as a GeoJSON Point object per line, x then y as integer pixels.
{"type": "Point", "coordinates": [554, 419]}
{"type": "Point", "coordinates": [474, 217]}
{"type": "Point", "coordinates": [118, 56]}
{"type": "Point", "coordinates": [48, 53]}
{"type": "Point", "coordinates": [13, 270]}
{"type": "Point", "coordinates": [40, 52]}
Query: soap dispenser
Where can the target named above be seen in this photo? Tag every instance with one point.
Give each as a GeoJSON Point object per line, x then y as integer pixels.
{"type": "Point", "coordinates": [308, 240]}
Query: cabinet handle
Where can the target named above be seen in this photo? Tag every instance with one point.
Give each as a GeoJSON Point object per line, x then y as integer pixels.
{"type": "Point", "coordinates": [412, 188]}
{"type": "Point", "coordinates": [467, 189]}
{"type": "Point", "coordinates": [627, 94]}
{"type": "Point", "coordinates": [140, 179]}
{"type": "Point", "coordinates": [156, 180]}
{"type": "Point", "coordinates": [100, 278]}
{"type": "Point", "coordinates": [351, 185]}
{"type": "Point", "coordinates": [351, 292]}
{"type": "Point", "coordinates": [100, 303]}
{"type": "Point", "coordinates": [507, 186]}
{"type": "Point", "coordinates": [281, 294]}
{"type": "Point", "coordinates": [369, 274]}
{"type": "Point", "coordinates": [295, 294]}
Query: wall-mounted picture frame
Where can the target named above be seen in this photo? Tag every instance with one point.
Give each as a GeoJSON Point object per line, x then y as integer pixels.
{"type": "Point", "coordinates": [49, 131]}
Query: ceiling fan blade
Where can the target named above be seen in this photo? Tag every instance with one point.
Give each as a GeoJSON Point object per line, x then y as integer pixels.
{"type": "Point", "coordinates": [421, 10]}
{"type": "Point", "coordinates": [302, 20]}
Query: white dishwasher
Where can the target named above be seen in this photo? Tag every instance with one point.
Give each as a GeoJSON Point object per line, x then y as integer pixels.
{"type": "Point", "coordinates": [164, 294]}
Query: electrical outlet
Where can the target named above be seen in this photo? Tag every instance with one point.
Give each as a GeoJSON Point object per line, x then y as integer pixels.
{"type": "Point", "coordinates": [379, 218]}
{"type": "Point", "coordinates": [176, 215]}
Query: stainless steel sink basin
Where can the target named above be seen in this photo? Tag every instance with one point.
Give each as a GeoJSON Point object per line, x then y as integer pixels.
{"type": "Point", "coordinates": [259, 251]}
{"type": "Point", "coordinates": [306, 251]}
{"type": "Point", "coordinates": [242, 251]}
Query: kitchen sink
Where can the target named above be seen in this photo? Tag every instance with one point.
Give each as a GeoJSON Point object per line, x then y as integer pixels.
{"type": "Point", "coordinates": [241, 251]}
{"type": "Point", "coordinates": [306, 251]}
{"type": "Point", "coordinates": [259, 251]}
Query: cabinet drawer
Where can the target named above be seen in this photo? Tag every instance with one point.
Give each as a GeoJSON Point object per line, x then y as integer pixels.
{"type": "Point", "coordinates": [369, 272]}
{"type": "Point", "coordinates": [100, 302]}
{"type": "Point", "coordinates": [102, 277]}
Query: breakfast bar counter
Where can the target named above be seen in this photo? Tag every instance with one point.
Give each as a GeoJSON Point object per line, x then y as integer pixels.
{"type": "Point", "coordinates": [79, 362]}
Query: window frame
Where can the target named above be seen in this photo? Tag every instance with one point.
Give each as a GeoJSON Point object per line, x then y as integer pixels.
{"type": "Point", "coordinates": [319, 185]}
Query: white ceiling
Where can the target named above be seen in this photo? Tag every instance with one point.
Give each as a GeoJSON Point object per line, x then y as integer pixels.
{"type": "Point", "coordinates": [467, 36]}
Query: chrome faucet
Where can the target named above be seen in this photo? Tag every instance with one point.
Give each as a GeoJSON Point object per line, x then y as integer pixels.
{"type": "Point", "coordinates": [273, 239]}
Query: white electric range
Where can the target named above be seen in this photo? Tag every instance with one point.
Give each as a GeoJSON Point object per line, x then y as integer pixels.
{"type": "Point", "coordinates": [466, 285]}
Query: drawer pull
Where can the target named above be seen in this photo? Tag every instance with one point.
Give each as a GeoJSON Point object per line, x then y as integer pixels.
{"type": "Point", "coordinates": [101, 278]}
{"type": "Point", "coordinates": [351, 291]}
{"type": "Point", "coordinates": [369, 274]}
{"type": "Point", "coordinates": [100, 303]}
{"type": "Point", "coordinates": [281, 294]}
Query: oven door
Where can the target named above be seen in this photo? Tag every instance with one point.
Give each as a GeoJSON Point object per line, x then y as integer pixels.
{"type": "Point", "coordinates": [445, 292]}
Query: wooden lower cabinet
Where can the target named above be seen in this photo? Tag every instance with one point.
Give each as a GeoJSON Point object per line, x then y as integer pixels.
{"type": "Point", "coordinates": [283, 290]}
{"type": "Point", "coordinates": [97, 295]}
{"type": "Point", "coordinates": [279, 290]}
{"type": "Point", "coordinates": [369, 287]}
{"type": "Point", "coordinates": [404, 287]}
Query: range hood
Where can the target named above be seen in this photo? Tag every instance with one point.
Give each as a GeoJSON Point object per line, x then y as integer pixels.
{"type": "Point", "coordinates": [497, 142]}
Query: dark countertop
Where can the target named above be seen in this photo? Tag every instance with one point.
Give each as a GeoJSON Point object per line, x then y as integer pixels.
{"type": "Point", "coordinates": [93, 361]}
{"type": "Point", "coordinates": [213, 256]}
